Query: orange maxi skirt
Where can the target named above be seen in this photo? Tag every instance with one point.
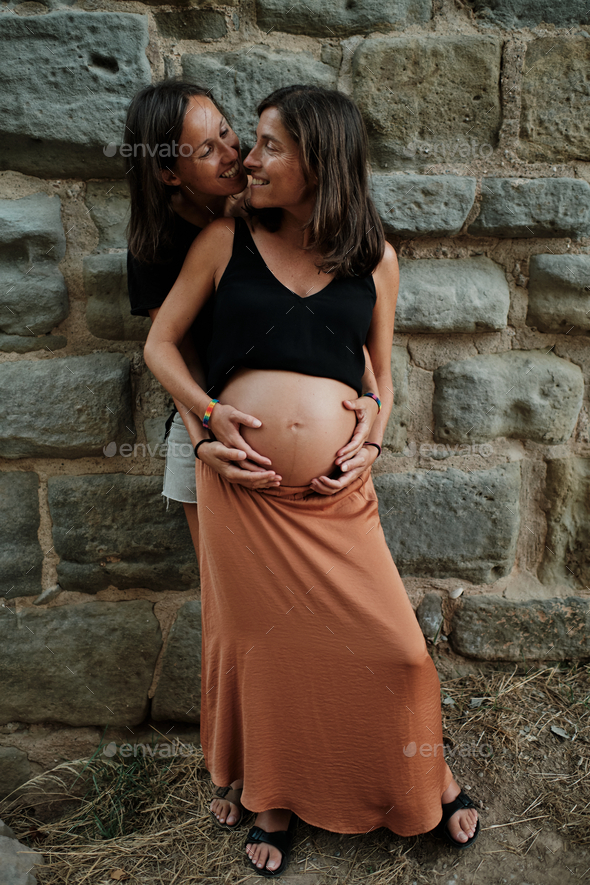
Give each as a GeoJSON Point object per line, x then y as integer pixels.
{"type": "Point", "coordinates": [317, 686]}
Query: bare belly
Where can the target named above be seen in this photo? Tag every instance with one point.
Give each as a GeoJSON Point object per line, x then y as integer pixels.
{"type": "Point", "coordinates": [303, 420]}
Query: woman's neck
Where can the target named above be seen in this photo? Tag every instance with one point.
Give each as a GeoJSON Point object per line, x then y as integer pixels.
{"type": "Point", "coordinates": [199, 211]}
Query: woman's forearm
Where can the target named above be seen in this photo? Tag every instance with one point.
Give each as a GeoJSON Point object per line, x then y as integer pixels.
{"type": "Point", "coordinates": [385, 388]}
{"type": "Point", "coordinates": [166, 363]}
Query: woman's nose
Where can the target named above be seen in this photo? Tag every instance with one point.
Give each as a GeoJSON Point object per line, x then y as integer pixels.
{"type": "Point", "coordinates": [251, 160]}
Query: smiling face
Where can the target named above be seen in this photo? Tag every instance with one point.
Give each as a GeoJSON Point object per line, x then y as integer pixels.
{"type": "Point", "coordinates": [209, 161]}
{"type": "Point", "coordinates": [277, 177]}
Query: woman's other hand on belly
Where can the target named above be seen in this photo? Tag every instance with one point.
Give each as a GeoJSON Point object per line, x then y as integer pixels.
{"type": "Point", "coordinates": [355, 466]}
{"type": "Point", "coordinates": [225, 422]}
{"type": "Point", "coordinates": [234, 466]}
{"type": "Point", "coordinates": [366, 411]}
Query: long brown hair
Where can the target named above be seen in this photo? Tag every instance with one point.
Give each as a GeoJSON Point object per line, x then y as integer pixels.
{"type": "Point", "coordinates": [153, 127]}
{"type": "Point", "coordinates": [333, 146]}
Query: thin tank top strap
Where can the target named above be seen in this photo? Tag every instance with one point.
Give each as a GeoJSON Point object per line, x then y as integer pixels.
{"type": "Point", "coordinates": [244, 245]}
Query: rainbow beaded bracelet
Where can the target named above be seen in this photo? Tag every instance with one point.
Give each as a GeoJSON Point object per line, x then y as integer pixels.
{"type": "Point", "coordinates": [376, 398]}
{"type": "Point", "coordinates": [208, 411]}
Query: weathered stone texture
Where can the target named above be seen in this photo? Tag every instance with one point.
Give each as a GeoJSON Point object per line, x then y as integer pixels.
{"type": "Point", "coordinates": [491, 628]}
{"type": "Point", "coordinates": [115, 529]}
{"type": "Point", "coordinates": [178, 694]}
{"type": "Point", "coordinates": [451, 295]}
{"type": "Point", "coordinates": [107, 312]}
{"type": "Point", "coordinates": [339, 18]}
{"type": "Point", "coordinates": [396, 432]}
{"type": "Point", "coordinates": [452, 524]}
{"type": "Point", "coordinates": [533, 207]}
{"type": "Point", "coordinates": [567, 551]}
{"type": "Point", "coordinates": [427, 89]}
{"type": "Point", "coordinates": [33, 293]}
{"type": "Point", "coordinates": [17, 862]}
{"type": "Point", "coordinates": [528, 13]}
{"type": "Point", "coordinates": [21, 556]}
{"type": "Point", "coordinates": [108, 205]}
{"type": "Point", "coordinates": [411, 205]}
{"type": "Point", "coordinates": [555, 112]}
{"type": "Point", "coordinates": [23, 344]}
{"type": "Point", "coordinates": [192, 24]}
{"type": "Point", "coordinates": [64, 408]}
{"type": "Point", "coordinates": [522, 394]}
{"type": "Point", "coordinates": [88, 664]}
{"type": "Point", "coordinates": [240, 80]}
{"type": "Point", "coordinates": [430, 617]}
{"type": "Point", "coordinates": [15, 769]}
{"type": "Point", "coordinates": [92, 64]}
{"type": "Point", "coordinates": [559, 293]}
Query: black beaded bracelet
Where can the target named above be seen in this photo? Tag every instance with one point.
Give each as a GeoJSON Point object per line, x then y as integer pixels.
{"type": "Point", "coordinates": [200, 443]}
{"type": "Point", "coordinates": [377, 446]}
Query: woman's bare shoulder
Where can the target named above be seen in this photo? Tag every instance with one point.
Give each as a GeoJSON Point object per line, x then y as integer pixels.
{"type": "Point", "coordinates": [387, 271]}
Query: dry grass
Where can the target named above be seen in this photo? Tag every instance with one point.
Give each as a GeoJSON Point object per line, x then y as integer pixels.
{"type": "Point", "coordinates": [145, 820]}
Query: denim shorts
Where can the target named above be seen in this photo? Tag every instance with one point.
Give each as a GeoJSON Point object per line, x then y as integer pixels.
{"type": "Point", "coordinates": [179, 476]}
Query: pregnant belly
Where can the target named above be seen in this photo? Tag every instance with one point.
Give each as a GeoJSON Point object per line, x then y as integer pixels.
{"type": "Point", "coordinates": [303, 420]}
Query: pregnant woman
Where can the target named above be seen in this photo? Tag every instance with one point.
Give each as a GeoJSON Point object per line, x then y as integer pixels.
{"type": "Point", "coordinates": [319, 697]}
{"type": "Point", "coordinates": [185, 170]}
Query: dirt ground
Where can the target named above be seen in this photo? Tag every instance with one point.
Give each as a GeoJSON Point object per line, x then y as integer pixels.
{"type": "Point", "coordinates": [516, 737]}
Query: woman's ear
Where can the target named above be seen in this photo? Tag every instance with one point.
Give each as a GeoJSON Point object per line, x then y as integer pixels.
{"type": "Point", "coordinates": [170, 177]}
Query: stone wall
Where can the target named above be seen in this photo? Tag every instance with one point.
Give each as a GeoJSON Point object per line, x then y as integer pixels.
{"type": "Point", "coordinates": [479, 120]}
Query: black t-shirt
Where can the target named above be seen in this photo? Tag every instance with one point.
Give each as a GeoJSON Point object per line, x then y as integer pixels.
{"type": "Point", "coordinates": [148, 284]}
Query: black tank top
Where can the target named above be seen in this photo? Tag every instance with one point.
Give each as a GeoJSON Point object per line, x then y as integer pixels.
{"type": "Point", "coordinates": [258, 323]}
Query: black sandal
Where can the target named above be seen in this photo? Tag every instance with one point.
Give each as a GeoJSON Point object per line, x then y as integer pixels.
{"type": "Point", "coordinates": [281, 839]}
{"type": "Point", "coordinates": [449, 808]}
{"type": "Point", "coordinates": [221, 793]}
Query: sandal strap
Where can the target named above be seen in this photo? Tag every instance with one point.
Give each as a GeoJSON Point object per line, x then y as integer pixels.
{"type": "Point", "coordinates": [221, 792]}
{"type": "Point", "coordinates": [461, 801]}
{"type": "Point", "coordinates": [280, 839]}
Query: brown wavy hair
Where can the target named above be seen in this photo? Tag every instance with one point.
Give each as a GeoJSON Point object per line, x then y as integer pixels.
{"type": "Point", "coordinates": [333, 146]}
{"type": "Point", "coordinates": [155, 119]}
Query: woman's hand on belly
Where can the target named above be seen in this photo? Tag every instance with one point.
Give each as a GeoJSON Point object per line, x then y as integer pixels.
{"type": "Point", "coordinates": [234, 467]}
{"type": "Point", "coordinates": [366, 410]}
{"type": "Point", "coordinates": [366, 457]}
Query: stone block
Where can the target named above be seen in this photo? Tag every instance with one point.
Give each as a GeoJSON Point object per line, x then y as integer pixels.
{"type": "Point", "coordinates": [336, 18]}
{"type": "Point", "coordinates": [192, 24]}
{"type": "Point", "coordinates": [17, 862]}
{"type": "Point", "coordinates": [555, 118]}
{"type": "Point", "coordinates": [430, 617]}
{"type": "Point", "coordinates": [85, 664]}
{"type": "Point", "coordinates": [64, 408]}
{"type": "Point", "coordinates": [92, 63]}
{"type": "Point", "coordinates": [24, 344]}
{"type": "Point", "coordinates": [33, 293]}
{"type": "Point", "coordinates": [115, 529]}
{"type": "Point", "coordinates": [529, 13]}
{"type": "Point", "coordinates": [491, 628]}
{"type": "Point", "coordinates": [411, 205]}
{"type": "Point", "coordinates": [21, 556]}
{"type": "Point", "coordinates": [567, 552]}
{"type": "Point", "coordinates": [108, 205]}
{"type": "Point", "coordinates": [533, 207]}
{"type": "Point", "coordinates": [520, 394]}
{"type": "Point", "coordinates": [107, 312]}
{"type": "Point", "coordinates": [396, 432]}
{"type": "Point", "coordinates": [240, 80]}
{"type": "Point", "coordinates": [435, 89]}
{"type": "Point", "coordinates": [451, 295]}
{"type": "Point", "coordinates": [453, 523]}
{"type": "Point", "coordinates": [178, 693]}
{"type": "Point", "coordinates": [559, 293]}
{"type": "Point", "coordinates": [15, 770]}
